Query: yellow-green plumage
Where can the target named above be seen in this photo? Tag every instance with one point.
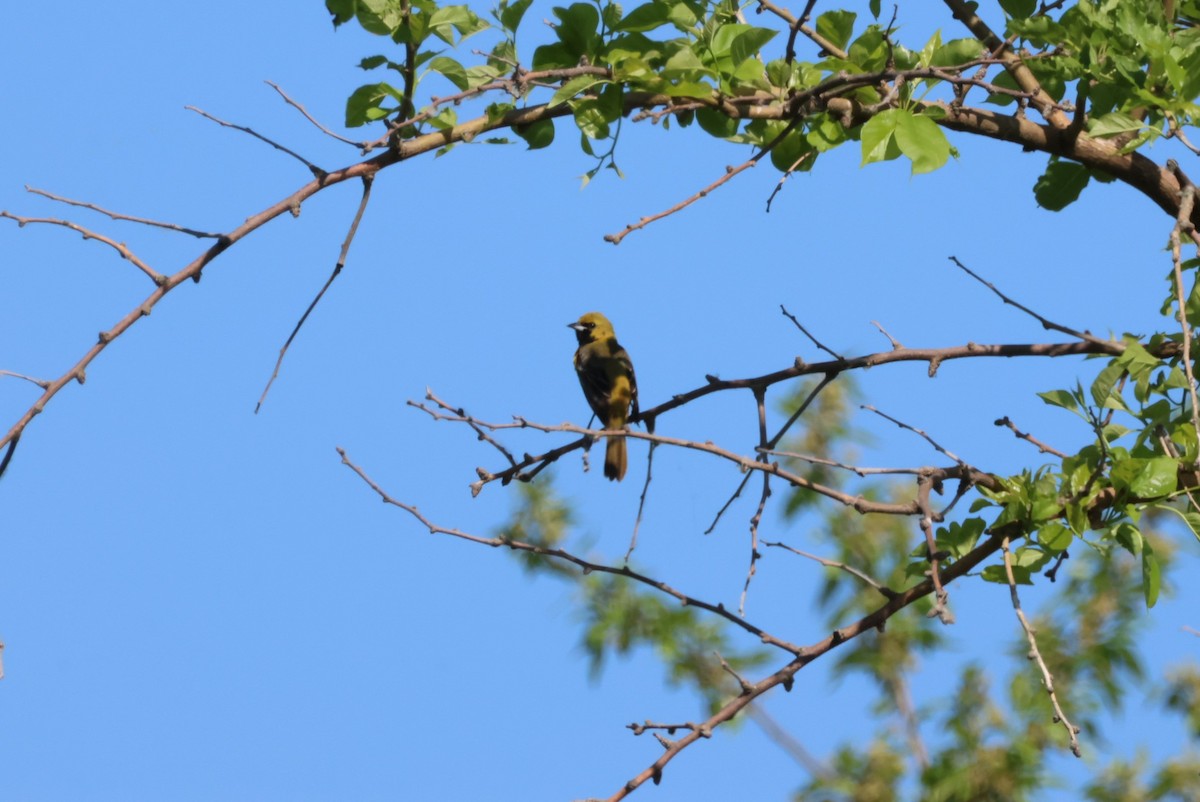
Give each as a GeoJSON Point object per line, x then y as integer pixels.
{"type": "Point", "coordinates": [606, 375]}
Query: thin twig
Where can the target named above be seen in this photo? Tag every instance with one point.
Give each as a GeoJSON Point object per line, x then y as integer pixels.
{"type": "Point", "coordinates": [736, 493]}
{"type": "Point", "coordinates": [1020, 435]}
{"type": "Point", "coordinates": [317, 172]}
{"type": "Point", "coordinates": [1036, 655]}
{"type": "Point", "coordinates": [311, 119]}
{"type": "Point", "coordinates": [896, 346]}
{"type": "Point", "coordinates": [337, 268]}
{"type": "Point", "coordinates": [883, 589]}
{"type": "Point", "coordinates": [760, 402]}
{"type": "Point", "coordinates": [741, 681]}
{"type": "Point", "coordinates": [807, 334]}
{"type": "Point", "coordinates": [1046, 324]}
{"type": "Point", "coordinates": [915, 430]}
{"type": "Point", "coordinates": [941, 598]}
{"type": "Point", "coordinates": [730, 172]}
{"type": "Point", "coordinates": [39, 382]}
{"type": "Point", "coordinates": [1187, 200]}
{"type": "Point", "coordinates": [8, 454]}
{"type": "Point", "coordinates": [587, 566]}
{"type": "Point", "coordinates": [158, 278]}
{"type": "Point", "coordinates": [788, 743]}
{"type": "Point", "coordinates": [786, 175]}
{"type": "Point", "coordinates": [480, 431]}
{"type": "Point", "coordinates": [117, 216]}
{"type": "Point", "coordinates": [857, 469]}
{"type": "Point", "coordinates": [637, 524]}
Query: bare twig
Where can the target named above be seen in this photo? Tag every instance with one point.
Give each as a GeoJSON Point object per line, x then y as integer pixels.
{"type": "Point", "coordinates": [912, 730]}
{"type": "Point", "coordinates": [883, 589]}
{"type": "Point", "coordinates": [1020, 435]}
{"type": "Point", "coordinates": [117, 216]}
{"type": "Point", "coordinates": [788, 743]}
{"type": "Point", "coordinates": [311, 119]}
{"type": "Point", "coordinates": [741, 681]}
{"type": "Point", "coordinates": [119, 247]}
{"type": "Point", "coordinates": [786, 175]}
{"type": "Point", "coordinates": [859, 503]}
{"type": "Point", "coordinates": [39, 382]}
{"type": "Point", "coordinates": [1036, 655]}
{"type": "Point", "coordinates": [896, 346]}
{"type": "Point", "coordinates": [8, 454]}
{"type": "Point", "coordinates": [1187, 201]}
{"type": "Point", "coordinates": [637, 524]}
{"type": "Point", "coordinates": [940, 609]}
{"type": "Point", "coordinates": [760, 402]}
{"type": "Point", "coordinates": [736, 493]}
{"type": "Point", "coordinates": [730, 172]}
{"type": "Point", "coordinates": [1049, 325]}
{"type": "Point", "coordinates": [337, 268]}
{"type": "Point", "coordinates": [317, 172]}
{"type": "Point", "coordinates": [857, 469]}
{"type": "Point", "coordinates": [587, 566]}
{"type": "Point", "coordinates": [808, 334]}
{"type": "Point", "coordinates": [480, 431]}
{"type": "Point", "coordinates": [914, 430]}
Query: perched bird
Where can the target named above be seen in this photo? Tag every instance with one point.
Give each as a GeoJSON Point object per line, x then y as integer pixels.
{"type": "Point", "coordinates": [606, 375]}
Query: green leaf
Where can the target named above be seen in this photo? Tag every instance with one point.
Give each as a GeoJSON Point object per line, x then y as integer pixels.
{"type": "Point", "coordinates": [371, 62]}
{"type": "Point", "coordinates": [879, 138]}
{"type": "Point", "coordinates": [1146, 478]}
{"type": "Point", "coordinates": [786, 155]}
{"type": "Point", "coordinates": [644, 18]}
{"type": "Point", "coordinates": [997, 574]}
{"type": "Point", "coordinates": [1060, 185]}
{"type": "Point", "coordinates": [1019, 8]}
{"type": "Point", "coordinates": [590, 119]}
{"type": "Point", "coordinates": [714, 123]}
{"type": "Point", "coordinates": [342, 10]}
{"type": "Point", "coordinates": [1151, 575]}
{"type": "Point", "coordinates": [447, 19]}
{"type": "Point", "coordinates": [1113, 124]}
{"type": "Point", "coordinates": [955, 52]}
{"type": "Point", "coordinates": [575, 87]}
{"type": "Point", "coordinates": [577, 29]}
{"type": "Point", "coordinates": [511, 14]}
{"type": "Point", "coordinates": [1104, 387]}
{"type": "Point", "coordinates": [747, 43]}
{"type": "Point", "coordinates": [922, 141]}
{"type": "Point", "coordinates": [537, 135]}
{"type": "Point", "coordinates": [380, 17]}
{"type": "Point", "coordinates": [363, 105]}
{"type": "Point", "coordinates": [1060, 398]}
{"type": "Point", "coordinates": [1055, 537]}
{"type": "Point", "coordinates": [837, 27]}
{"type": "Point", "coordinates": [825, 132]}
{"type": "Point", "coordinates": [1190, 518]}
{"type": "Point", "coordinates": [554, 57]}
{"type": "Point", "coordinates": [451, 70]}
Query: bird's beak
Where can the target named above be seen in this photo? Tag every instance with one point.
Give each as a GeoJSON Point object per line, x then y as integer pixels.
{"type": "Point", "coordinates": [576, 326]}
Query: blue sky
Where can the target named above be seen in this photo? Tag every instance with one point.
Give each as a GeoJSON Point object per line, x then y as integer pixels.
{"type": "Point", "coordinates": [202, 603]}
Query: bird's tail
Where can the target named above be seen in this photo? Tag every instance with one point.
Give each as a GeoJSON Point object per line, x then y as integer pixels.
{"type": "Point", "coordinates": [614, 458]}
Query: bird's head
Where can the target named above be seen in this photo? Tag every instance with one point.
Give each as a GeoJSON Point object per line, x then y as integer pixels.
{"type": "Point", "coordinates": [592, 327]}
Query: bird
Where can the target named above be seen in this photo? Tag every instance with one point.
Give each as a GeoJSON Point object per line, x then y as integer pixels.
{"type": "Point", "coordinates": [606, 376]}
